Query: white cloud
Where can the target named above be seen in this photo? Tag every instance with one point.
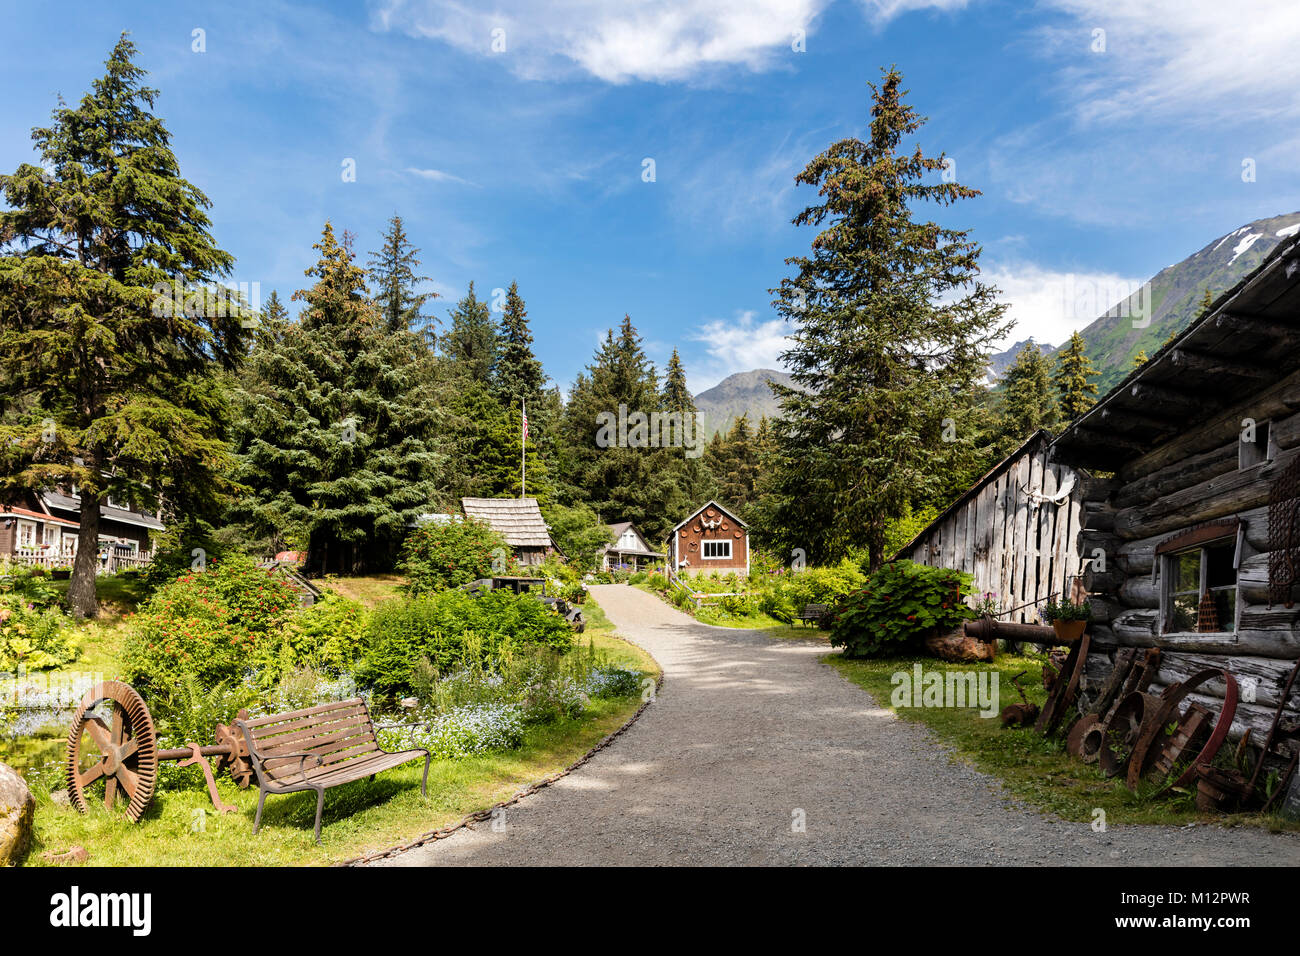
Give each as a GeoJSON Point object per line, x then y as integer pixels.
{"type": "Point", "coordinates": [882, 11]}
{"type": "Point", "coordinates": [739, 344]}
{"type": "Point", "coordinates": [654, 40]}
{"type": "Point", "coordinates": [438, 176]}
{"type": "Point", "coordinates": [1048, 305]}
{"type": "Point", "coordinates": [1182, 58]}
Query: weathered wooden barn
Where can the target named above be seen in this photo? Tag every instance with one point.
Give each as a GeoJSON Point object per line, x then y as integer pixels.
{"type": "Point", "coordinates": [1014, 531]}
{"type": "Point", "coordinates": [1193, 546]}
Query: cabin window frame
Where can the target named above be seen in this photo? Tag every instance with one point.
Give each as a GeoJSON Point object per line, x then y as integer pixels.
{"type": "Point", "coordinates": [1168, 577]}
{"type": "Point", "coordinates": [717, 543]}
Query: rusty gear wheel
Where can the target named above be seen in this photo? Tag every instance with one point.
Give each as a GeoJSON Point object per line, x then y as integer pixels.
{"type": "Point", "coordinates": [124, 754]}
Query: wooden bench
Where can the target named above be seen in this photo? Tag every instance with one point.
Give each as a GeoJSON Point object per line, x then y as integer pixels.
{"type": "Point", "coordinates": [814, 613]}
{"type": "Point", "coordinates": [318, 748]}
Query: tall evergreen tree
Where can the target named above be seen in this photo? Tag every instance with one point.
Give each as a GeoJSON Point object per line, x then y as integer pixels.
{"type": "Point", "coordinates": [393, 277]}
{"type": "Point", "coordinates": [119, 378]}
{"type": "Point", "coordinates": [676, 396]}
{"type": "Point", "coordinates": [1073, 379]}
{"type": "Point", "coordinates": [338, 428]}
{"type": "Point", "coordinates": [1028, 403]}
{"type": "Point", "coordinates": [516, 373]}
{"type": "Point", "coordinates": [891, 323]}
{"type": "Point", "coordinates": [471, 342]}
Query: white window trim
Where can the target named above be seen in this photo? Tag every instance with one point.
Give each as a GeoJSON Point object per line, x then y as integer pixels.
{"type": "Point", "coordinates": [704, 547]}
{"type": "Point", "coordinates": [24, 525]}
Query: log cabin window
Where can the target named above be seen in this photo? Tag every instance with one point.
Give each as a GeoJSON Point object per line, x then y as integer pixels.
{"type": "Point", "coordinates": [717, 550]}
{"type": "Point", "coordinates": [1193, 573]}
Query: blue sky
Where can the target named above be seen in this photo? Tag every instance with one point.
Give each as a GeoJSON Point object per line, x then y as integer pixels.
{"type": "Point", "coordinates": [1102, 157]}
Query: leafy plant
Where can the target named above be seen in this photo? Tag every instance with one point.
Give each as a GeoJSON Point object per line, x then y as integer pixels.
{"type": "Point", "coordinates": [441, 555]}
{"type": "Point", "coordinates": [32, 636]}
{"type": "Point", "coordinates": [1065, 611]}
{"type": "Point", "coordinates": [900, 604]}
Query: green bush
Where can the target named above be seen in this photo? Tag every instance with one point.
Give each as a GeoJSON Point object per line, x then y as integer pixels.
{"type": "Point", "coordinates": [31, 587]}
{"type": "Point", "coordinates": [213, 625]}
{"type": "Point", "coordinates": [437, 556]}
{"type": "Point", "coordinates": [784, 595]}
{"type": "Point", "coordinates": [33, 637]}
{"type": "Point", "coordinates": [900, 604]}
{"type": "Point", "coordinates": [328, 637]}
{"type": "Point", "coordinates": [451, 629]}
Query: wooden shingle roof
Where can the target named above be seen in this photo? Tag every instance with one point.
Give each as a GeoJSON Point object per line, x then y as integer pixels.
{"type": "Point", "coordinates": [518, 520]}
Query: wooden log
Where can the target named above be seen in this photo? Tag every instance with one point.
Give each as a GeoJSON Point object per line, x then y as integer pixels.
{"type": "Point", "coordinates": [1105, 582]}
{"type": "Point", "coordinates": [1098, 517]}
{"type": "Point", "coordinates": [1261, 617]}
{"type": "Point", "coordinates": [1275, 403]}
{"type": "Point", "coordinates": [1218, 366]}
{"type": "Point", "coordinates": [1139, 591]}
{"type": "Point", "coordinates": [986, 630]}
{"type": "Point", "coordinates": [1268, 675]}
{"type": "Point", "coordinates": [1216, 498]}
{"type": "Point", "coordinates": [1178, 475]}
{"type": "Point", "coordinates": [1104, 609]}
{"type": "Point", "coordinates": [1135, 628]}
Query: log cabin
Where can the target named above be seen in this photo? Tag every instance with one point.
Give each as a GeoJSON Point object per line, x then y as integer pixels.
{"type": "Point", "coordinates": [1190, 535]}
{"type": "Point", "coordinates": [1014, 531]}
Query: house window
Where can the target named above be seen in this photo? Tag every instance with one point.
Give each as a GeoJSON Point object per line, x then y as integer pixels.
{"type": "Point", "coordinates": [1258, 450]}
{"type": "Point", "coordinates": [717, 550]}
{"type": "Point", "coordinates": [1190, 575]}
{"type": "Point", "coordinates": [52, 535]}
{"type": "Point", "coordinates": [27, 534]}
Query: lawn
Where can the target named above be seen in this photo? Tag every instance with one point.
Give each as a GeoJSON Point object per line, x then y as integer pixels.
{"type": "Point", "coordinates": [1034, 769]}
{"type": "Point", "coordinates": [753, 621]}
{"type": "Point", "coordinates": [182, 828]}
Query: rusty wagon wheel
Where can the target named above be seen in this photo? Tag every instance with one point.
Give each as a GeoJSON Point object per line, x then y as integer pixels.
{"type": "Point", "coordinates": [123, 753]}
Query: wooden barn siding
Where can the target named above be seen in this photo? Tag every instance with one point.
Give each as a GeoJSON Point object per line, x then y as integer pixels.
{"type": "Point", "coordinates": [1021, 552]}
{"type": "Point", "coordinates": [1175, 486]}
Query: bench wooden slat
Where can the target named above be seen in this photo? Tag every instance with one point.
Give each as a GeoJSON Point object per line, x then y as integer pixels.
{"type": "Point", "coordinates": [305, 712]}
{"type": "Point", "coordinates": [270, 731]}
{"type": "Point", "coordinates": [301, 741]}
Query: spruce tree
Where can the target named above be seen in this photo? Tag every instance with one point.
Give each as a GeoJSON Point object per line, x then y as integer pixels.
{"type": "Point", "coordinates": [891, 324]}
{"type": "Point", "coordinates": [1073, 378]}
{"type": "Point", "coordinates": [471, 342]}
{"type": "Point", "coordinates": [107, 337]}
{"type": "Point", "coordinates": [394, 279]}
{"type": "Point", "coordinates": [516, 373]}
{"type": "Point", "coordinates": [1028, 403]}
{"type": "Point", "coordinates": [676, 396]}
{"type": "Point", "coordinates": [339, 433]}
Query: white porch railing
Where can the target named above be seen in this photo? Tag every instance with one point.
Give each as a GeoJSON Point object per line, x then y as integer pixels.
{"type": "Point", "coordinates": [111, 563]}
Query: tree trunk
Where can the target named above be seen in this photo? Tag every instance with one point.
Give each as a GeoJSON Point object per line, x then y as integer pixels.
{"type": "Point", "coordinates": [81, 588]}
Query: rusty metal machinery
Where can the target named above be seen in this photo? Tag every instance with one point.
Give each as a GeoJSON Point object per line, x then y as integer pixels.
{"type": "Point", "coordinates": [123, 752]}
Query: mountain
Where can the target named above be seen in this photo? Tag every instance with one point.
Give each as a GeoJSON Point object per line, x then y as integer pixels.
{"type": "Point", "coordinates": [736, 395]}
{"type": "Point", "coordinates": [1176, 297]}
{"type": "Point", "coordinates": [999, 362]}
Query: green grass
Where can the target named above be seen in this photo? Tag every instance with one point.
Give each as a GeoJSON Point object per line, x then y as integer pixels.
{"type": "Point", "coordinates": [369, 589]}
{"type": "Point", "coordinates": [754, 621]}
{"type": "Point", "coordinates": [1034, 769]}
{"type": "Point", "coordinates": [359, 817]}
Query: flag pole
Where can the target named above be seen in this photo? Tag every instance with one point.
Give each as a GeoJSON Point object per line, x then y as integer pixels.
{"type": "Point", "coordinates": [523, 449]}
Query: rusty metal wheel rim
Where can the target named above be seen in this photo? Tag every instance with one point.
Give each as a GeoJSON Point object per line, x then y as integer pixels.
{"type": "Point", "coordinates": [127, 749]}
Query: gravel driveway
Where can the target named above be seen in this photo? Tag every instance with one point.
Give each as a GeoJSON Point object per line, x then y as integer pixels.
{"type": "Point", "coordinates": [749, 732]}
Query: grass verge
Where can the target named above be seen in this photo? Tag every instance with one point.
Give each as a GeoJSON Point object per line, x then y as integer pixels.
{"type": "Point", "coordinates": [1034, 769]}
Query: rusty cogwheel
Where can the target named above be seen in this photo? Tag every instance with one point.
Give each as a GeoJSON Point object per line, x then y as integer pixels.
{"type": "Point", "coordinates": [124, 754]}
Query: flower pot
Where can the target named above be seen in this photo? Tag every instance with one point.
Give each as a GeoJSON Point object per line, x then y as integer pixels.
{"type": "Point", "coordinates": [1069, 631]}
{"type": "Point", "coordinates": [60, 574]}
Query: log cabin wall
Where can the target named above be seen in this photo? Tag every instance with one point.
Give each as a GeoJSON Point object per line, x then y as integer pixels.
{"type": "Point", "coordinates": [1018, 547]}
{"type": "Point", "coordinates": [1171, 438]}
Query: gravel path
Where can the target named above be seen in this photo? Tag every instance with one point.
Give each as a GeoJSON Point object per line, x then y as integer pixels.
{"type": "Point", "coordinates": [747, 731]}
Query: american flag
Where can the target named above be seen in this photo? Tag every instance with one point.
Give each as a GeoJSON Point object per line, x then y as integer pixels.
{"type": "Point", "coordinates": [524, 409]}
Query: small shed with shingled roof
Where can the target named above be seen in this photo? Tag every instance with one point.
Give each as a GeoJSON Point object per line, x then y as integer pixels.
{"type": "Point", "coordinates": [519, 521]}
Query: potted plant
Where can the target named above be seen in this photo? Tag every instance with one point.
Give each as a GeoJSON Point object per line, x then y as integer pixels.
{"type": "Point", "coordinates": [61, 572]}
{"type": "Point", "coordinates": [1068, 620]}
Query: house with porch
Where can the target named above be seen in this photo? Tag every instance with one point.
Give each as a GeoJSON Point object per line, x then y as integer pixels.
{"type": "Point", "coordinates": [42, 528]}
{"type": "Point", "coordinates": [630, 550]}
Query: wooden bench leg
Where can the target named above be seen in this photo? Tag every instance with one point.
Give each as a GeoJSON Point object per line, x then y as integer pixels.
{"type": "Point", "coordinates": [320, 805]}
{"type": "Point", "coordinates": [424, 784]}
{"type": "Point", "coordinates": [257, 820]}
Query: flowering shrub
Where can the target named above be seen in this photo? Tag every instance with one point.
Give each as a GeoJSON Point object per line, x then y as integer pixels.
{"type": "Point", "coordinates": [437, 556]}
{"type": "Point", "coordinates": [900, 604]}
{"type": "Point", "coordinates": [787, 594]}
{"type": "Point", "coordinates": [610, 681]}
{"type": "Point", "coordinates": [328, 637]}
{"type": "Point", "coordinates": [207, 624]}
{"type": "Point", "coordinates": [463, 732]}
